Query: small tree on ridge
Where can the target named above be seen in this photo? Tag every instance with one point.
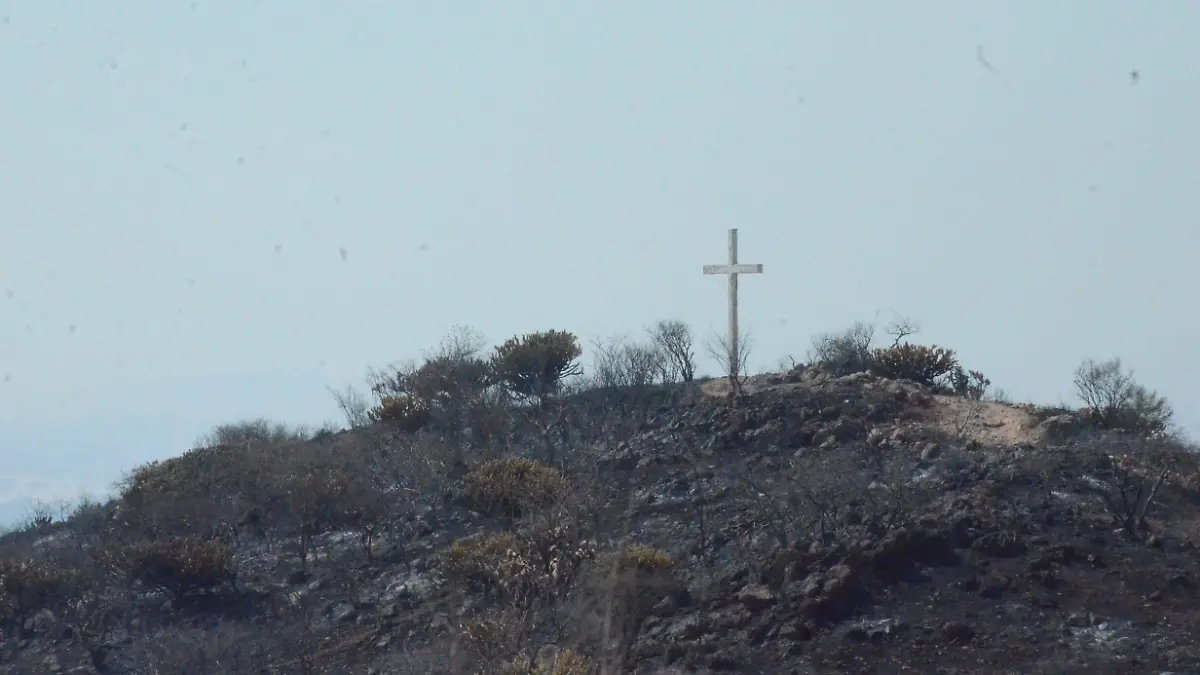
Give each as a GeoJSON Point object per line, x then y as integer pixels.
{"type": "Point", "coordinates": [674, 340]}
{"type": "Point", "coordinates": [535, 364]}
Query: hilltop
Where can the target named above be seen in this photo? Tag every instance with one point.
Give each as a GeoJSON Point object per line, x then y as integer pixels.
{"type": "Point", "coordinates": [880, 518]}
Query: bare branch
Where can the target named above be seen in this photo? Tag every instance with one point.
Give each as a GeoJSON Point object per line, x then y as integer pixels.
{"type": "Point", "coordinates": [674, 338]}
{"type": "Point", "coordinates": [732, 365]}
{"type": "Point", "coordinates": [354, 406]}
{"type": "Point", "coordinates": [1118, 402]}
{"type": "Point", "coordinates": [901, 328]}
{"type": "Point", "coordinates": [845, 353]}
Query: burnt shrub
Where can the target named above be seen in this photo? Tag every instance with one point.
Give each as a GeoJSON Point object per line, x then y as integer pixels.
{"type": "Point", "coordinates": [918, 363]}
{"type": "Point", "coordinates": [318, 500]}
{"type": "Point", "coordinates": [28, 586]}
{"type": "Point", "coordinates": [182, 565]}
{"type": "Point", "coordinates": [495, 636]}
{"type": "Point", "coordinates": [564, 662]}
{"type": "Point", "coordinates": [1117, 402]}
{"type": "Point", "coordinates": [445, 388]}
{"type": "Point", "coordinates": [844, 353]}
{"type": "Point", "coordinates": [514, 486]}
{"type": "Point", "coordinates": [173, 497]}
{"type": "Point", "coordinates": [637, 578]}
{"type": "Point", "coordinates": [970, 384]}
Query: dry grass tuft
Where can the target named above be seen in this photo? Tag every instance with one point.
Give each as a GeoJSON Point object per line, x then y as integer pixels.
{"type": "Point", "coordinates": [515, 486]}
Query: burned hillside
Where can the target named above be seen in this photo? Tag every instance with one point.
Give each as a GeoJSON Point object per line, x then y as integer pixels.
{"type": "Point", "coordinates": [809, 521]}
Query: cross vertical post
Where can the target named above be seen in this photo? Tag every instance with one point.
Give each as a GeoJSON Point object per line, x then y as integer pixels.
{"type": "Point", "coordinates": [733, 269]}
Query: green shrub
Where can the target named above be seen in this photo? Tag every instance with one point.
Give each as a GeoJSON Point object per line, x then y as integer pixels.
{"type": "Point", "coordinates": [918, 363]}
{"type": "Point", "coordinates": [446, 381]}
{"type": "Point", "coordinates": [515, 486]}
{"type": "Point", "coordinates": [407, 412]}
{"type": "Point", "coordinates": [534, 365]}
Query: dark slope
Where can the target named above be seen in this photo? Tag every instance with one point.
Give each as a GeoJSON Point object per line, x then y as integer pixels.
{"type": "Point", "coordinates": [816, 525]}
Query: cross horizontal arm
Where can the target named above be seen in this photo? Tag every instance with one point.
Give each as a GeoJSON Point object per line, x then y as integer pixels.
{"type": "Point", "coordinates": [733, 269]}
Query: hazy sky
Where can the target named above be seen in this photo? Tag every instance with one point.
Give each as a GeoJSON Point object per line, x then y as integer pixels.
{"type": "Point", "coordinates": [211, 211]}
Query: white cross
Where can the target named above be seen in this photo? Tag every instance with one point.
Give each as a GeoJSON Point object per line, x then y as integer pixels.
{"type": "Point", "coordinates": [733, 269]}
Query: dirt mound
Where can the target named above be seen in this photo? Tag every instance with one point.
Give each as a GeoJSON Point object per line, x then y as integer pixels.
{"type": "Point", "coordinates": [986, 422]}
{"type": "Point", "coordinates": [813, 525]}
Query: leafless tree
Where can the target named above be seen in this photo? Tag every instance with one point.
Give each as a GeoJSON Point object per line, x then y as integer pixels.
{"type": "Point", "coordinates": [1128, 475]}
{"type": "Point", "coordinates": [733, 365]}
{"type": "Point", "coordinates": [40, 518]}
{"type": "Point", "coordinates": [354, 405]}
{"type": "Point", "coordinates": [461, 342]}
{"type": "Point", "coordinates": [788, 362]}
{"type": "Point", "coordinates": [619, 363]}
{"type": "Point", "coordinates": [901, 328]}
{"type": "Point", "coordinates": [1118, 402]}
{"type": "Point", "coordinates": [674, 339]}
{"type": "Point", "coordinates": [998, 395]}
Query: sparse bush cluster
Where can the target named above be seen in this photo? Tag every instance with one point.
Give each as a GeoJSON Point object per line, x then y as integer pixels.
{"type": "Point", "coordinates": [620, 364]}
{"type": "Point", "coordinates": [666, 356]}
{"type": "Point", "coordinates": [255, 433]}
{"type": "Point", "coordinates": [458, 386]}
{"type": "Point", "coordinates": [852, 351]}
{"type": "Point", "coordinates": [351, 505]}
{"type": "Point", "coordinates": [1114, 400]}
{"type": "Point", "coordinates": [541, 554]}
{"type": "Point", "coordinates": [844, 353]}
{"type": "Point", "coordinates": [453, 388]}
{"type": "Point", "coordinates": [527, 572]}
